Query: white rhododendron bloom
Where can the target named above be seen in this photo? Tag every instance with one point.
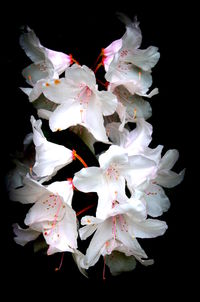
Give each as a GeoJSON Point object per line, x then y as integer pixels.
{"type": "Point", "coordinates": [80, 102]}
{"type": "Point", "coordinates": [49, 157]}
{"type": "Point", "coordinates": [130, 65]}
{"type": "Point", "coordinates": [119, 232]}
{"type": "Point", "coordinates": [130, 107]}
{"type": "Point", "coordinates": [109, 180]}
{"type": "Point", "coordinates": [50, 215]}
{"type": "Point", "coordinates": [47, 63]}
{"type": "Point", "coordinates": [122, 180]}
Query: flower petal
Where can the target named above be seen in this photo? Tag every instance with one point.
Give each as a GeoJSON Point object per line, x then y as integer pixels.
{"type": "Point", "coordinates": [108, 102]}
{"type": "Point", "coordinates": [64, 116]}
{"type": "Point", "coordinates": [23, 236]}
{"type": "Point", "coordinates": [169, 179]}
{"type": "Point", "coordinates": [148, 228]}
{"type": "Point", "coordinates": [89, 180]}
{"type": "Point", "coordinates": [169, 159]}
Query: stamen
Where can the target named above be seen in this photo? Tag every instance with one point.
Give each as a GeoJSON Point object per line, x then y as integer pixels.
{"type": "Point", "coordinates": [30, 80]}
{"type": "Point", "coordinates": [70, 180]}
{"type": "Point", "coordinates": [99, 56]}
{"type": "Point", "coordinates": [56, 81]}
{"type": "Point", "coordinates": [85, 209]}
{"type": "Point", "coordinates": [139, 74]}
{"type": "Point", "coordinates": [75, 155]}
{"type": "Point", "coordinates": [98, 66]}
{"type": "Point", "coordinates": [103, 84]}
{"type": "Point", "coordinates": [73, 60]}
{"type": "Point", "coordinates": [57, 212]}
{"type": "Point", "coordinates": [134, 113]}
{"type": "Point", "coordinates": [61, 262]}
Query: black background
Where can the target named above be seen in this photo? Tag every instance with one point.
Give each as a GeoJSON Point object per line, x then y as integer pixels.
{"type": "Point", "coordinates": [83, 29]}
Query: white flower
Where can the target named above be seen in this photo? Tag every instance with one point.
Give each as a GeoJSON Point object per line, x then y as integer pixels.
{"type": "Point", "coordinates": [49, 157]}
{"type": "Point", "coordinates": [109, 52]}
{"type": "Point", "coordinates": [131, 107]}
{"type": "Point", "coordinates": [133, 142]}
{"type": "Point", "coordinates": [80, 102]}
{"type": "Point", "coordinates": [109, 180]}
{"type": "Point", "coordinates": [131, 66]}
{"type": "Point", "coordinates": [47, 63]}
{"type": "Point", "coordinates": [51, 215]}
{"type": "Point", "coordinates": [23, 236]}
{"type": "Point", "coordinates": [165, 177]}
{"type": "Point", "coordinates": [119, 232]}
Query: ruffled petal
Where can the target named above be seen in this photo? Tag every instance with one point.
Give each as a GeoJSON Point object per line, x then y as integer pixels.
{"type": "Point", "coordinates": [23, 236]}
{"type": "Point", "coordinates": [108, 102]}
{"type": "Point", "coordinates": [156, 200]}
{"type": "Point", "coordinates": [148, 228]}
{"type": "Point", "coordinates": [31, 191]}
{"type": "Point", "coordinates": [169, 159]}
{"type": "Point", "coordinates": [169, 179]}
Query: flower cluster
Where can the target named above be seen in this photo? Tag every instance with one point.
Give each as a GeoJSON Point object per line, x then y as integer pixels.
{"type": "Point", "coordinates": [130, 179]}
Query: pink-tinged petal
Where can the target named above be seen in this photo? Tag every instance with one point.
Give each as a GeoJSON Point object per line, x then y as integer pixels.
{"type": "Point", "coordinates": [113, 48]}
{"type": "Point", "coordinates": [23, 236]}
{"type": "Point", "coordinates": [110, 51]}
{"type": "Point", "coordinates": [59, 60]}
{"type": "Point", "coordinates": [64, 235]}
{"type": "Point", "coordinates": [50, 208]}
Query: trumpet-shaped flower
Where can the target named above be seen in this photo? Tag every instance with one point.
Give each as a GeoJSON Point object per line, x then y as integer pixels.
{"type": "Point", "coordinates": [49, 157]}
{"type": "Point", "coordinates": [131, 66]}
{"type": "Point", "coordinates": [80, 102]}
{"type": "Point", "coordinates": [108, 180]}
{"type": "Point", "coordinates": [50, 215]}
{"type": "Point", "coordinates": [119, 232]}
{"type": "Point", "coordinates": [47, 63]}
{"type": "Point", "coordinates": [131, 107]}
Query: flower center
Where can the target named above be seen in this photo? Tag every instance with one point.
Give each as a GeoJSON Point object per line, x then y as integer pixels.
{"type": "Point", "coordinates": [112, 172]}
{"type": "Point", "coordinates": [84, 95]}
